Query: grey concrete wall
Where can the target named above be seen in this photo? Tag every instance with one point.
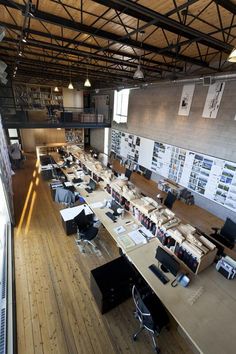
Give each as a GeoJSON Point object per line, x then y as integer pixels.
{"type": "Point", "coordinates": [97, 139]}
{"type": "Point", "coordinates": [153, 113]}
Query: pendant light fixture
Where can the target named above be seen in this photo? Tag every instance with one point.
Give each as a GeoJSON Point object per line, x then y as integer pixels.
{"type": "Point", "coordinates": [56, 89]}
{"type": "Point", "coordinates": [139, 73]}
{"type": "Point", "coordinates": [87, 82]}
{"type": "Point", "coordinates": [70, 86]}
{"type": "Point", "coordinates": [232, 56]}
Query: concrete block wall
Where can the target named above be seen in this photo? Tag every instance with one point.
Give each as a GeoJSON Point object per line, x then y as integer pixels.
{"type": "Point", "coordinates": [153, 113]}
{"type": "Point", "coordinates": [97, 139]}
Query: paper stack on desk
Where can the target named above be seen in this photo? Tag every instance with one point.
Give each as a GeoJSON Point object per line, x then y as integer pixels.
{"type": "Point", "coordinates": [119, 229]}
{"type": "Point", "coordinates": [125, 241]}
{"type": "Point", "coordinates": [137, 237]}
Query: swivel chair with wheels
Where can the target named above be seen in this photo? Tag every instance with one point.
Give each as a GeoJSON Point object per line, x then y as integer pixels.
{"type": "Point", "coordinates": [227, 234]}
{"type": "Point", "coordinates": [170, 199]}
{"type": "Point", "coordinates": [151, 314]}
{"type": "Point", "coordinates": [86, 231]}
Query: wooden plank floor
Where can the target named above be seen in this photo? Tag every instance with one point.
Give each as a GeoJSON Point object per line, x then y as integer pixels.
{"type": "Point", "coordinates": [56, 312]}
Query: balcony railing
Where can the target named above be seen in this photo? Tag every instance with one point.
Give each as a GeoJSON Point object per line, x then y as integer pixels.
{"type": "Point", "coordinates": [54, 116]}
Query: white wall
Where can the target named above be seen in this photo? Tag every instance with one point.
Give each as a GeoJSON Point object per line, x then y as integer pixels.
{"type": "Point", "coordinates": [72, 98]}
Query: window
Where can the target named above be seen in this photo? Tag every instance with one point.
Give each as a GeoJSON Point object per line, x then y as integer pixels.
{"type": "Point", "coordinates": [121, 102]}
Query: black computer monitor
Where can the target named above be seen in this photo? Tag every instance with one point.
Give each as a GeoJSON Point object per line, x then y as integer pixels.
{"type": "Point", "coordinates": [168, 262]}
{"type": "Point", "coordinates": [128, 173]}
{"type": "Point", "coordinates": [147, 174]}
{"type": "Point", "coordinates": [116, 174]}
{"type": "Point", "coordinates": [92, 184]}
{"type": "Point", "coordinates": [114, 206]}
{"type": "Point", "coordinates": [81, 221]}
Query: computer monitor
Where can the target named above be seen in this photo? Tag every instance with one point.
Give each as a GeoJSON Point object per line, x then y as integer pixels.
{"type": "Point", "coordinates": [168, 262]}
{"type": "Point", "coordinates": [128, 173]}
{"type": "Point", "coordinates": [116, 174]}
{"type": "Point", "coordinates": [81, 221]}
{"type": "Point", "coordinates": [92, 184]}
{"type": "Point", "coordinates": [114, 206]}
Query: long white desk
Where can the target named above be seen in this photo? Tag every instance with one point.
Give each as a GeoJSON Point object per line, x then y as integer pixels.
{"type": "Point", "coordinates": [205, 310]}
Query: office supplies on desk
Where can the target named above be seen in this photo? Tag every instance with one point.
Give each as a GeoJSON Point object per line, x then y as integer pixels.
{"type": "Point", "coordinates": [145, 232]}
{"type": "Point", "coordinates": [119, 229]}
{"type": "Point", "coordinates": [137, 237]}
{"type": "Point", "coordinates": [111, 216]}
{"type": "Point", "coordinates": [159, 274]}
{"type": "Point", "coordinates": [125, 241]}
{"type": "Point", "coordinates": [227, 267]}
{"type": "Point", "coordinates": [91, 186]}
{"type": "Point", "coordinates": [181, 279]}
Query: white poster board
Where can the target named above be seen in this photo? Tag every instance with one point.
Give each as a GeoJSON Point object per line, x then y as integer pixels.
{"type": "Point", "coordinates": [213, 99]}
{"type": "Point", "coordinates": [186, 100]}
{"type": "Point", "coordinates": [208, 176]}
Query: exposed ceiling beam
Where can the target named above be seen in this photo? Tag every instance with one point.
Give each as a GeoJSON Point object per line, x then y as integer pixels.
{"type": "Point", "coordinates": [66, 70]}
{"type": "Point", "coordinates": [63, 59]}
{"type": "Point", "coordinates": [162, 66]}
{"type": "Point", "coordinates": [145, 14]}
{"type": "Point", "coordinates": [228, 5]}
{"type": "Point", "coordinates": [57, 48]}
{"type": "Point", "coordinates": [79, 27]}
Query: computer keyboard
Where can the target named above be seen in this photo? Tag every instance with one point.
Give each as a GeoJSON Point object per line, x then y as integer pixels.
{"type": "Point", "coordinates": [111, 216]}
{"type": "Point", "coordinates": [89, 190]}
{"type": "Point", "coordinates": [160, 275]}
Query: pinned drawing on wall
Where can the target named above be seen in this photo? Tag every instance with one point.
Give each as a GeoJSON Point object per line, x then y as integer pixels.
{"type": "Point", "coordinates": [186, 99]}
{"type": "Point", "coordinates": [213, 99]}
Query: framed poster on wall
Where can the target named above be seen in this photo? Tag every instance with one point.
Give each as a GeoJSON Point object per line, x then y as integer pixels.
{"type": "Point", "coordinates": [186, 100]}
{"type": "Point", "coordinates": [213, 99]}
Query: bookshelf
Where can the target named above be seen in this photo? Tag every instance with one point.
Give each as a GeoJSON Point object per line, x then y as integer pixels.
{"type": "Point", "coordinates": [36, 97]}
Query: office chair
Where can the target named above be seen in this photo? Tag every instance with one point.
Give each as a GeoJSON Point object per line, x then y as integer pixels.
{"type": "Point", "coordinates": [170, 199]}
{"type": "Point", "coordinates": [86, 231]}
{"type": "Point", "coordinates": [151, 314]}
{"type": "Point", "coordinates": [65, 196]}
{"type": "Point", "coordinates": [227, 234]}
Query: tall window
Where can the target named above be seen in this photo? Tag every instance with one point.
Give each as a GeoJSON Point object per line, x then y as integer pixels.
{"type": "Point", "coordinates": [121, 102]}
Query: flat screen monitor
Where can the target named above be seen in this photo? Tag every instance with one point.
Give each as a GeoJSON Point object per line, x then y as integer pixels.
{"type": "Point", "coordinates": [114, 206]}
{"type": "Point", "coordinates": [116, 174]}
{"type": "Point", "coordinates": [92, 184]}
{"type": "Point", "coordinates": [168, 262]}
{"type": "Point", "coordinates": [128, 173]}
{"type": "Point", "coordinates": [147, 174]}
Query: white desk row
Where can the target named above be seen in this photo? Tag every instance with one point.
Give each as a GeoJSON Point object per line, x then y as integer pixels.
{"type": "Point", "coordinates": [205, 310]}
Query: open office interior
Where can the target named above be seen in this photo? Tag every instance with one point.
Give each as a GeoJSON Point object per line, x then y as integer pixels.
{"type": "Point", "coordinates": [117, 176]}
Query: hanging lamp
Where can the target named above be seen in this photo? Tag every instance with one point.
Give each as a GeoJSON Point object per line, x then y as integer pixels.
{"type": "Point", "coordinates": [139, 73]}
{"type": "Point", "coordinates": [70, 86]}
{"type": "Point", "coordinates": [87, 82]}
{"type": "Point", "coordinates": [232, 56]}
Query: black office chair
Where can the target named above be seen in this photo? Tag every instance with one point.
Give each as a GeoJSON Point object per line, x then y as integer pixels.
{"type": "Point", "coordinates": [151, 314]}
{"type": "Point", "coordinates": [226, 235]}
{"type": "Point", "coordinates": [86, 230]}
{"type": "Point", "coordinates": [170, 199]}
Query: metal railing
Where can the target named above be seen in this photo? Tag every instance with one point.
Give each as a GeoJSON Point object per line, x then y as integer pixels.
{"type": "Point", "coordinates": [54, 116]}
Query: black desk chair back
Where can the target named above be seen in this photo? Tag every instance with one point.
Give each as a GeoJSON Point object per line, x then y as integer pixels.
{"type": "Point", "coordinates": [151, 314]}
{"type": "Point", "coordinates": [227, 235]}
{"type": "Point", "coordinates": [170, 199]}
{"type": "Point", "coordinates": [128, 173]}
{"type": "Point", "coordinates": [85, 230]}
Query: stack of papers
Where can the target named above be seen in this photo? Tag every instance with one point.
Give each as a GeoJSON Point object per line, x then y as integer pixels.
{"type": "Point", "coordinates": [137, 237]}
{"type": "Point", "coordinates": [125, 241]}
{"type": "Point", "coordinates": [119, 230]}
